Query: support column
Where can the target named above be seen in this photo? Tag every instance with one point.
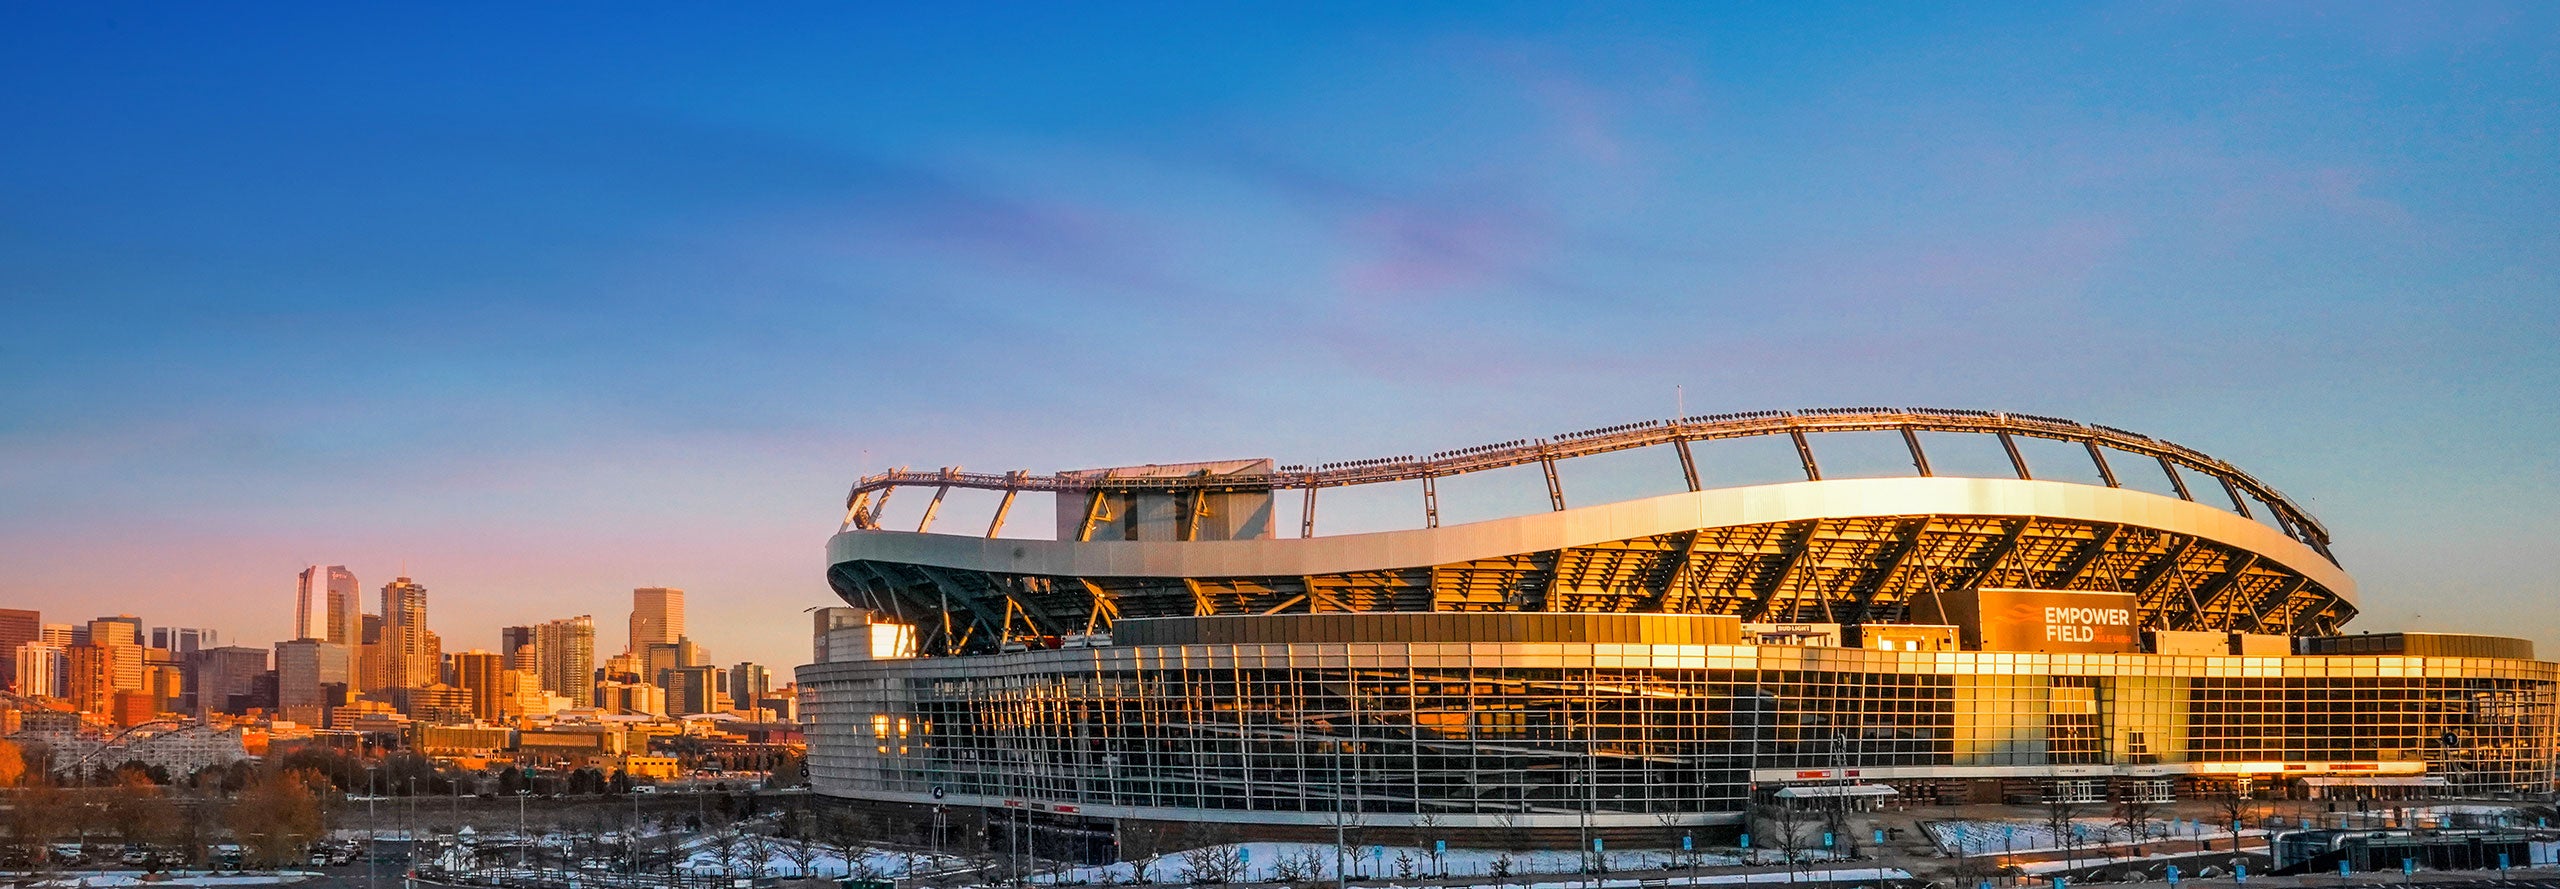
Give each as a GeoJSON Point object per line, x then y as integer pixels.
{"type": "Point", "coordinates": [1430, 502]}
{"type": "Point", "coordinates": [2105, 472]}
{"type": "Point", "coordinates": [2017, 461]}
{"type": "Point", "coordinates": [1919, 458]}
{"type": "Point", "coordinates": [1688, 464]}
{"type": "Point", "coordinates": [1804, 452]}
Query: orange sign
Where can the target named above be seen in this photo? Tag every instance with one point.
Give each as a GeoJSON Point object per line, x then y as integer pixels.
{"type": "Point", "coordinates": [2055, 620]}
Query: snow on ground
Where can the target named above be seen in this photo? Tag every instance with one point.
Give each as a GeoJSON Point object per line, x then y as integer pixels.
{"type": "Point", "coordinates": [1264, 862]}
{"type": "Point", "coordinates": [2000, 837]}
{"type": "Point", "coordinates": [124, 879]}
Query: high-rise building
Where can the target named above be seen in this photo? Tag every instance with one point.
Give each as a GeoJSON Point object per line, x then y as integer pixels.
{"type": "Point", "coordinates": [59, 634]}
{"type": "Point", "coordinates": [564, 656]}
{"type": "Point", "coordinates": [511, 642]}
{"type": "Point", "coordinates": [184, 640]}
{"type": "Point", "coordinates": [632, 699]}
{"type": "Point", "coordinates": [89, 677]}
{"type": "Point", "coordinates": [657, 616]}
{"type": "Point", "coordinates": [311, 679]}
{"type": "Point", "coordinates": [692, 690]}
{"type": "Point", "coordinates": [747, 683]}
{"type": "Point", "coordinates": [119, 643]}
{"type": "Point", "coordinates": [329, 606]}
{"type": "Point", "coordinates": [659, 657]}
{"type": "Point", "coordinates": [122, 629]}
{"type": "Point", "coordinates": [482, 677]}
{"type": "Point", "coordinates": [39, 670]}
{"type": "Point", "coordinates": [406, 662]}
{"type": "Point", "coordinates": [18, 626]}
{"type": "Point", "coordinates": [225, 677]}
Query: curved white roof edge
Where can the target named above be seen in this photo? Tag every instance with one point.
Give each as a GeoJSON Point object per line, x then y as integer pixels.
{"type": "Point", "coordinates": [1589, 525]}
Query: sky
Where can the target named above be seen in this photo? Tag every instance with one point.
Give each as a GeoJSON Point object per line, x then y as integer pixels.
{"type": "Point", "coordinates": [540, 304]}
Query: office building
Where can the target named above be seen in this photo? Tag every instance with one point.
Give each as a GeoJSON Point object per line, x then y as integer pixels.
{"type": "Point", "coordinates": [407, 661]}
{"type": "Point", "coordinates": [692, 690]}
{"type": "Point", "coordinates": [18, 626]}
{"type": "Point", "coordinates": [657, 616]}
{"type": "Point", "coordinates": [2126, 617]}
{"type": "Point", "coordinates": [328, 605]}
{"type": "Point", "coordinates": [40, 669]}
{"type": "Point", "coordinates": [564, 656]}
{"type": "Point", "coordinates": [226, 677]}
{"type": "Point", "coordinates": [749, 682]}
{"type": "Point", "coordinates": [482, 676]}
{"type": "Point", "coordinates": [184, 640]}
{"type": "Point", "coordinates": [311, 679]}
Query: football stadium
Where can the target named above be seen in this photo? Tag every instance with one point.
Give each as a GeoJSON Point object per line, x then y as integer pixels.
{"type": "Point", "coordinates": [2118, 617]}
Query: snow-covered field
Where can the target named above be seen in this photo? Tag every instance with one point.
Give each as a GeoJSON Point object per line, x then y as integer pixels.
{"type": "Point", "coordinates": [1310, 862]}
{"type": "Point", "coordinates": [2000, 837]}
{"type": "Point", "coordinates": [127, 879]}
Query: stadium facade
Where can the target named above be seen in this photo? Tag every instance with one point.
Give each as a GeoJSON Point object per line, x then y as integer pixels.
{"type": "Point", "coordinates": [1662, 661]}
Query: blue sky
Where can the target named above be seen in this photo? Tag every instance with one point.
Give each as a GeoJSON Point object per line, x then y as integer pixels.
{"type": "Point", "coordinates": [543, 304]}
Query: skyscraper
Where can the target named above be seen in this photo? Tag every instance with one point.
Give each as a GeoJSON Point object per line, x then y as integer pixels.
{"type": "Point", "coordinates": [328, 606]}
{"type": "Point", "coordinates": [482, 677]}
{"type": "Point", "coordinates": [89, 680]}
{"type": "Point", "coordinates": [183, 640]}
{"type": "Point", "coordinates": [225, 675]}
{"type": "Point", "coordinates": [406, 662]}
{"type": "Point", "coordinates": [122, 629]}
{"type": "Point", "coordinates": [311, 678]}
{"type": "Point", "coordinates": [512, 642]}
{"type": "Point", "coordinates": [748, 682]}
{"type": "Point", "coordinates": [692, 690]}
{"type": "Point", "coordinates": [564, 654]}
{"type": "Point", "coordinates": [657, 617]}
{"type": "Point", "coordinates": [18, 626]}
{"type": "Point", "coordinates": [39, 668]}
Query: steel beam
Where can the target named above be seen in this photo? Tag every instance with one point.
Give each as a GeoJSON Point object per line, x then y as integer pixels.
{"type": "Point", "coordinates": [1430, 502]}
{"type": "Point", "coordinates": [1907, 541]}
{"type": "Point", "coordinates": [1804, 453]}
{"type": "Point", "coordinates": [1919, 458]}
{"type": "Point", "coordinates": [2146, 588]}
{"type": "Point", "coordinates": [2105, 472]}
{"type": "Point", "coordinates": [1688, 464]}
{"type": "Point", "coordinates": [1675, 571]}
{"type": "Point", "coordinates": [2275, 601]}
{"type": "Point", "coordinates": [2017, 460]}
{"type": "Point", "coordinates": [1998, 553]}
{"type": "Point", "coordinates": [1093, 514]}
{"type": "Point", "coordinates": [1003, 507]}
{"type": "Point", "coordinates": [931, 507]}
{"type": "Point", "coordinates": [2239, 504]}
{"type": "Point", "coordinates": [1106, 607]}
{"type": "Point", "coordinates": [1201, 606]}
{"type": "Point", "coordinates": [1787, 562]}
{"type": "Point", "coordinates": [1307, 516]}
{"type": "Point", "coordinates": [2206, 598]}
{"type": "Point", "coordinates": [1555, 485]}
{"type": "Point", "coordinates": [2088, 555]}
{"type": "Point", "coordinates": [2170, 469]}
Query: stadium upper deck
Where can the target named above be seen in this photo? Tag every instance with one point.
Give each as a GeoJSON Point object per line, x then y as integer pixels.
{"type": "Point", "coordinates": [1197, 539]}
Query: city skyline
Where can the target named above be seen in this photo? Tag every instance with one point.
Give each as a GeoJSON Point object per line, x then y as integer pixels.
{"type": "Point", "coordinates": [568, 317]}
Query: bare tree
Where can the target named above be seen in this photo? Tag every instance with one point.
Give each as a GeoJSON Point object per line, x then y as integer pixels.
{"type": "Point", "coordinates": [842, 835]}
{"type": "Point", "coordinates": [2235, 806]}
{"type": "Point", "coordinates": [799, 846]}
{"type": "Point", "coordinates": [2134, 816]}
{"type": "Point", "coordinates": [1213, 865]}
{"type": "Point", "coordinates": [2062, 816]}
{"type": "Point", "coordinates": [1786, 828]}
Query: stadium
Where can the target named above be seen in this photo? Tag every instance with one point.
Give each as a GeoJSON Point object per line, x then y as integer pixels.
{"type": "Point", "coordinates": [2134, 619]}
